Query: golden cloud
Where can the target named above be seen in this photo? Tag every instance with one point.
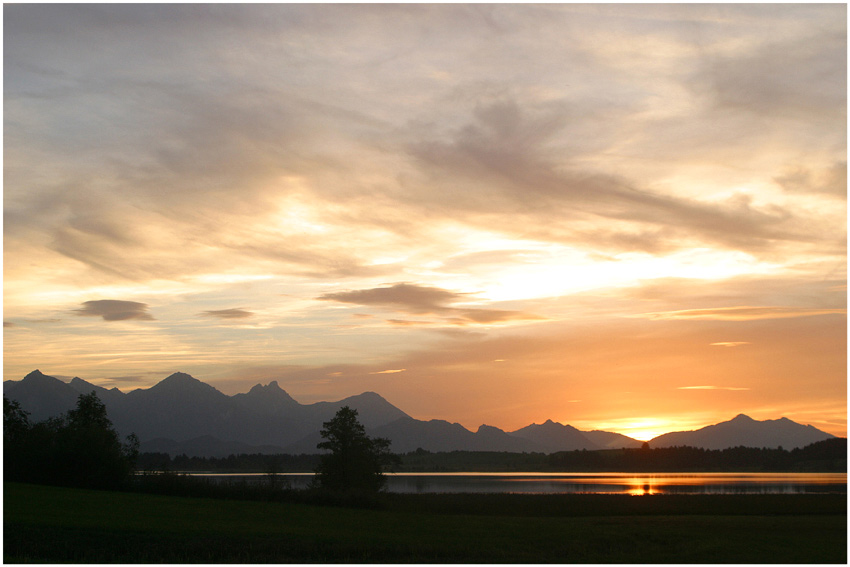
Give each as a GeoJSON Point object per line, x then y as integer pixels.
{"type": "Point", "coordinates": [744, 313]}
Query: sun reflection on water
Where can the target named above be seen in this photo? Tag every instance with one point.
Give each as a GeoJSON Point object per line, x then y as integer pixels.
{"type": "Point", "coordinates": [641, 485]}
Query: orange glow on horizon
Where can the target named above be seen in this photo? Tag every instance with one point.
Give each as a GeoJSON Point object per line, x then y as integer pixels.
{"type": "Point", "coordinates": [644, 429]}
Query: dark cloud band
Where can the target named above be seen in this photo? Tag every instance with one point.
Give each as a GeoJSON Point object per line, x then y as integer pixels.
{"type": "Point", "coordinates": [115, 310]}
{"type": "Point", "coordinates": [426, 300]}
{"type": "Point", "coordinates": [228, 313]}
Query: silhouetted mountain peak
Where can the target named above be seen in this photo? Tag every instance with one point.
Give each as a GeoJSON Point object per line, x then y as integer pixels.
{"type": "Point", "coordinates": [271, 392]}
{"type": "Point", "coordinates": [547, 426]}
{"type": "Point", "coordinates": [180, 382]}
{"type": "Point", "coordinates": [373, 409]}
{"type": "Point", "coordinates": [550, 425]}
{"type": "Point", "coordinates": [37, 376]}
{"type": "Point", "coordinates": [371, 396]}
{"type": "Point", "coordinates": [741, 418]}
{"type": "Point", "coordinates": [744, 431]}
{"type": "Point", "coordinates": [37, 379]}
{"type": "Point", "coordinates": [181, 377]}
{"type": "Point", "coordinates": [555, 436]}
{"type": "Point", "coordinates": [81, 386]}
{"type": "Point", "coordinates": [370, 399]}
{"type": "Point", "coordinates": [185, 409]}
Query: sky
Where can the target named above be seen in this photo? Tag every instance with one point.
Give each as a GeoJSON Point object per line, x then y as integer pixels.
{"type": "Point", "coordinates": [627, 217]}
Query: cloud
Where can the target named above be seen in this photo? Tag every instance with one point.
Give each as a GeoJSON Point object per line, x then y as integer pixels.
{"type": "Point", "coordinates": [373, 141]}
{"type": "Point", "coordinates": [829, 181]}
{"type": "Point", "coordinates": [115, 310]}
{"type": "Point", "coordinates": [743, 313]}
{"type": "Point", "coordinates": [426, 300]}
{"type": "Point", "coordinates": [389, 371]}
{"type": "Point", "coordinates": [412, 298]}
{"type": "Point", "coordinates": [408, 323]}
{"type": "Point", "coordinates": [777, 76]}
{"type": "Point", "coordinates": [710, 388]}
{"type": "Point", "coordinates": [504, 161]}
{"type": "Point", "coordinates": [228, 313]}
{"type": "Point", "coordinates": [121, 381]}
{"type": "Point", "coordinates": [7, 324]}
{"type": "Point", "coordinates": [486, 316]}
{"type": "Point", "coordinates": [731, 344]}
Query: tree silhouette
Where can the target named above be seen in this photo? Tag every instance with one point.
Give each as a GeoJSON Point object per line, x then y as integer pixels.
{"type": "Point", "coordinates": [81, 448]}
{"type": "Point", "coordinates": [16, 428]}
{"type": "Point", "coordinates": [15, 421]}
{"type": "Point", "coordinates": [94, 453]}
{"type": "Point", "coordinates": [89, 413]}
{"type": "Point", "coordinates": [355, 462]}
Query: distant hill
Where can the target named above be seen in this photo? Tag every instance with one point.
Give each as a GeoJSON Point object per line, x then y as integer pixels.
{"type": "Point", "coordinates": [42, 396]}
{"type": "Point", "coordinates": [181, 414]}
{"type": "Point", "coordinates": [744, 431]}
{"type": "Point", "coordinates": [187, 415]}
{"type": "Point", "coordinates": [610, 440]}
{"type": "Point", "coordinates": [553, 436]}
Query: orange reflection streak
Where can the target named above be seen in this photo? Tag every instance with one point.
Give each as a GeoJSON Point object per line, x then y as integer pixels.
{"type": "Point", "coordinates": [642, 485]}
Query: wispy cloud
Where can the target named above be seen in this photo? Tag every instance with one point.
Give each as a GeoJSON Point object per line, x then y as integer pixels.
{"type": "Point", "coordinates": [409, 323]}
{"type": "Point", "coordinates": [389, 371]}
{"type": "Point", "coordinates": [731, 344]}
{"type": "Point", "coordinates": [710, 388]}
{"type": "Point", "coordinates": [743, 313]}
{"type": "Point", "coordinates": [228, 313]}
{"type": "Point", "coordinates": [501, 159]}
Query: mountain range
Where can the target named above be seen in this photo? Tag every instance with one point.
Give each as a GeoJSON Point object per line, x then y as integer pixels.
{"type": "Point", "coordinates": [181, 415]}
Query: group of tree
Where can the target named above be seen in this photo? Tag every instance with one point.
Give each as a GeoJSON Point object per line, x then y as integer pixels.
{"type": "Point", "coordinates": [79, 448]}
{"type": "Point", "coordinates": [352, 463]}
{"type": "Point", "coordinates": [824, 456]}
{"type": "Point", "coordinates": [243, 462]}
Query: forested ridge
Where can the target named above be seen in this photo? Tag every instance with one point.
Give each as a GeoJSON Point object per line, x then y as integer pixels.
{"type": "Point", "coordinates": [829, 455]}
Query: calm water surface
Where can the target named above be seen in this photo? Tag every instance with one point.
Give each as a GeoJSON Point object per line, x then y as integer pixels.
{"type": "Point", "coordinates": [595, 483]}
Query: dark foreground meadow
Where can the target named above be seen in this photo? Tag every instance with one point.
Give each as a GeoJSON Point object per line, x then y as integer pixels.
{"type": "Point", "coordinates": [44, 524]}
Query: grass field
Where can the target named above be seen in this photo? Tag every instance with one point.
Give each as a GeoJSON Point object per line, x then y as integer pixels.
{"type": "Point", "coordinates": [60, 525]}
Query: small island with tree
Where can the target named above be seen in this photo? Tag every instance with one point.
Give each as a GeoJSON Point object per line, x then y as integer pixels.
{"type": "Point", "coordinates": [356, 462]}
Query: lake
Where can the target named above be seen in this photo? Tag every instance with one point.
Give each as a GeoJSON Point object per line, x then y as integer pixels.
{"type": "Point", "coordinates": [593, 483]}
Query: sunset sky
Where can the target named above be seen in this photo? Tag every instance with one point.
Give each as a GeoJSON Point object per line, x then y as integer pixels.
{"type": "Point", "coordinates": [625, 217]}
